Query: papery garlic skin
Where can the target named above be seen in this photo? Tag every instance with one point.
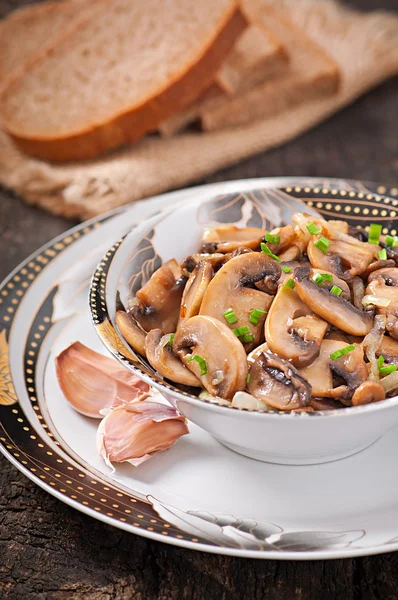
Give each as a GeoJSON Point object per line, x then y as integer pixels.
{"type": "Point", "coordinates": [92, 382]}
{"type": "Point", "coordinates": [134, 432]}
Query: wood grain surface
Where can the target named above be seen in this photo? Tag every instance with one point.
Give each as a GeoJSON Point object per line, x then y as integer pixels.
{"type": "Point", "coordinates": [48, 551]}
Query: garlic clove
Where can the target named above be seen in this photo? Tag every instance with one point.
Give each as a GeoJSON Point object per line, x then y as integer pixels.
{"type": "Point", "coordinates": [134, 432]}
{"type": "Point", "coordinates": [92, 382]}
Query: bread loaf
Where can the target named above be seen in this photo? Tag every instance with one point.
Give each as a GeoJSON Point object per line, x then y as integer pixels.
{"type": "Point", "coordinates": [118, 74]}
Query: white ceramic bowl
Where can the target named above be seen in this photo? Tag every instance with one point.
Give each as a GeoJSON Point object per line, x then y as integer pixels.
{"type": "Point", "coordinates": [285, 438]}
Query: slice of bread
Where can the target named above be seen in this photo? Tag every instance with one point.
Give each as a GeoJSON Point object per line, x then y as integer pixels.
{"type": "Point", "coordinates": [256, 56]}
{"type": "Point", "coordinates": [118, 74]}
{"type": "Point", "coordinates": [311, 74]}
{"type": "Point", "coordinates": [27, 31]}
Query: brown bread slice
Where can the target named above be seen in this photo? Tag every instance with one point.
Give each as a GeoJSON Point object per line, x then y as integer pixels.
{"type": "Point", "coordinates": [117, 75]}
{"type": "Point", "coordinates": [28, 30]}
{"type": "Point", "coordinates": [256, 56]}
{"type": "Point", "coordinates": [312, 74]}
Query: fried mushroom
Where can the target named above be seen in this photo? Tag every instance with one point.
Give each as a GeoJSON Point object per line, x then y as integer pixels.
{"type": "Point", "coordinates": [160, 356]}
{"type": "Point", "coordinates": [213, 353]}
{"type": "Point", "coordinates": [227, 238]}
{"type": "Point", "coordinates": [277, 383]}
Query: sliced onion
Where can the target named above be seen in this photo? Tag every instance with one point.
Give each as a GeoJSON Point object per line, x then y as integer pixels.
{"type": "Point", "coordinates": [390, 382]}
{"type": "Point", "coordinates": [358, 291]}
{"type": "Point", "coordinates": [378, 301]}
{"type": "Point", "coordinates": [371, 343]}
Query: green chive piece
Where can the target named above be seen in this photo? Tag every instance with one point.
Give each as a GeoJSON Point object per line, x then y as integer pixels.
{"type": "Point", "coordinates": [266, 250]}
{"type": "Point", "coordinates": [383, 254]}
{"type": "Point", "coordinates": [201, 361]}
{"type": "Point", "coordinates": [336, 290]}
{"type": "Point", "coordinates": [256, 315]}
{"type": "Point", "coordinates": [319, 278]}
{"type": "Point", "coordinates": [245, 339]}
{"type": "Point", "coordinates": [238, 331]}
{"type": "Point", "coordinates": [342, 352]}
{"type": "Point", "coordinates": [322, 244]}
{"type": "Point", "coordinates": [287, 269]}
{"type": "Point", "coordinates": [385, 370]}
{"type": "Point", "coordinates": [171, 340]}
{"type": "Point", "coordinates": [374, 233]}
{"type": "Point", "coordinates": [248, 378]}
{"type": "Point", "coordinates": [272, 239]}
{"type": "Point", "coordinates": [289, 284]}
{"type": "Point", "coordinates": [313, 229]}
{"type": "Point", "coordinates": [391, 241]}
{"type": "Point", "coordinates": [230, 316]}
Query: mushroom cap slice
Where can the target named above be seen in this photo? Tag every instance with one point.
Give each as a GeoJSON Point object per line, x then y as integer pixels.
{"type": "Point", "coordinates": [213, 342]}
{"type": "Point", "coordinates": [334, 309]}
{"type": "Point", "coordinates": [367, 392]}
{"type": "Point", "coordinates": [160, 298]}
{"type": "Point", "coordinates": [327, 284]}
{"type": "Point", "coordinates": [160, 356]}
{"type": "Point", "coordinates": [229, 289]}
{"type": "Point", "coordinates": [194, 291]}
{"type": "Point", "coordinates": [131, 331]}
{"type": "Point", "coordinates": [227, 238]}
{"type": "Point", "coordinates": [277, 383]}
{"type": "Point", "coordinates": [339, 256]}
{"type": "Point", "coordinates": [292, 330]}
{"type": "Point", "coordinates": [383, 285]}
{"type": "Point", "coordinates": [389, 349]}
{"type": "Point", "coordinates": [351, 368]}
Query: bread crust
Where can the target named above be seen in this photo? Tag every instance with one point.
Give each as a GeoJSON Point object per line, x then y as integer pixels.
{"type": "Point", "coordinates": [133, 124]}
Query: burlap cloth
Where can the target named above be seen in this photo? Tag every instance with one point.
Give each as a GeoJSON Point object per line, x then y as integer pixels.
{"type": "Point", "coordinates": [364, 45]}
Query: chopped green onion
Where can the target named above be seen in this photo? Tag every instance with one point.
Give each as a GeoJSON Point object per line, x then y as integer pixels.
{"type": "Point", "coordinates": [313, 229]}
{"type": "Point", "coordinates": [391, 241]}
{"type": "Point", "coordinates": [289, 284]}
{"type": "Point", "coordinates": [230, 316]}
{"type": "Point", "coordinates": [342, 352]}
{"type": "Point", "coordinates": [256, 315]}
{"type": "Point", "coordinates": [323, 244]}
{"type": "Point", "coordinates": [247, 338]}
{"type": "Point", "coordinates": [374, 233]}
{"type": "Point", "coordinates": [266, 250]}
{"type": "Point", "coordinates": [272, 239]}
{"type": "Point", "coordinates": [287, 269]}
{"type": "Point", "coordinates": [201, 361]}
{"type": "Point", "coordinates": [171, 340]}
{"type": "Point", "coordinates": [319, 278]}
{"type": "Point", "coordinates": [387, 369]}
{"type": "Point", "coordinates": [336, 290]}
{"type": "Point", "coordinates": [383, 254]}
{"type": "Point", "coordinates": [248, 378]}
{"type": "Point", "coordinates": [238, 331]}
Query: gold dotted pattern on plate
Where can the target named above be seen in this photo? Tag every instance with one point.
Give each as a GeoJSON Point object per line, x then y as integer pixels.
{"type": "Point", "coordinates": [62, 477]}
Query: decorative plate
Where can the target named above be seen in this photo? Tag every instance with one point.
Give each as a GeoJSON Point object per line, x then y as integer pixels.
{"type": "Point", "coordinates": [198, 494]}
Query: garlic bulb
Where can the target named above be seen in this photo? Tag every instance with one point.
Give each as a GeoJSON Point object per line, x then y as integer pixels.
{"type": "Point", "coordinates": [134, 432]}
{"type": "Point", "coordinates": [92, 382]}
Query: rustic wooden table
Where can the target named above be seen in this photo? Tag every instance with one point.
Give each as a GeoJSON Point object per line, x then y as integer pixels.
{"type": "Point", "coordinates": [48, 551]}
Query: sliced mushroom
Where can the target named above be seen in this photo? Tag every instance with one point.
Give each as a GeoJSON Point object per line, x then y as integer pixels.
{"type": "Point", "coordinates": [290, 246]}
{"type": "Point", "coordinates": [376, 266]}
{"type": "Point", "coordinates": [227, 238]}
{"type": "Point", "coordinates": [231, 288]}
{"type": "Point", "coordinates": [195, 290]}
{"type": "Point", "coordinates": [344, 259]}
{"type": "Point", "coordinates": [325, 404]}
{"type": "Point", "coordinates": [358, 291]}
{"type": "Point", "coordinates": [131, 331]}
{"type": "Point", "coordinates": [159, 300]}
{"type": "Point", "coordinates": [327, 284]}
{"type": "Point", "coordinates": [382, 290]}
{"type": "Point", "coordinates": [332, 308]}
{"type": "Point", "coordinates": [220, 355]}
{"type": "Point", "coordinates": [350, 368]}
{"type": "Point", "coordinates": [192, 261]}
{"type": "Point", "coordinates": [389, 349]}
{"type": "Point", "coordinates": [292, 330]}
{"type": "Point", "coordinates": [367, 392]}
{"type": "Point", "coordinates": [277, 383]}
{"type": "Point", "coordinates": [161, 357]}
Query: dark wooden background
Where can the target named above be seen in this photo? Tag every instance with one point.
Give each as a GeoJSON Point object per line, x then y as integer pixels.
{"type": "Point", "coordinates": [48, 551]}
